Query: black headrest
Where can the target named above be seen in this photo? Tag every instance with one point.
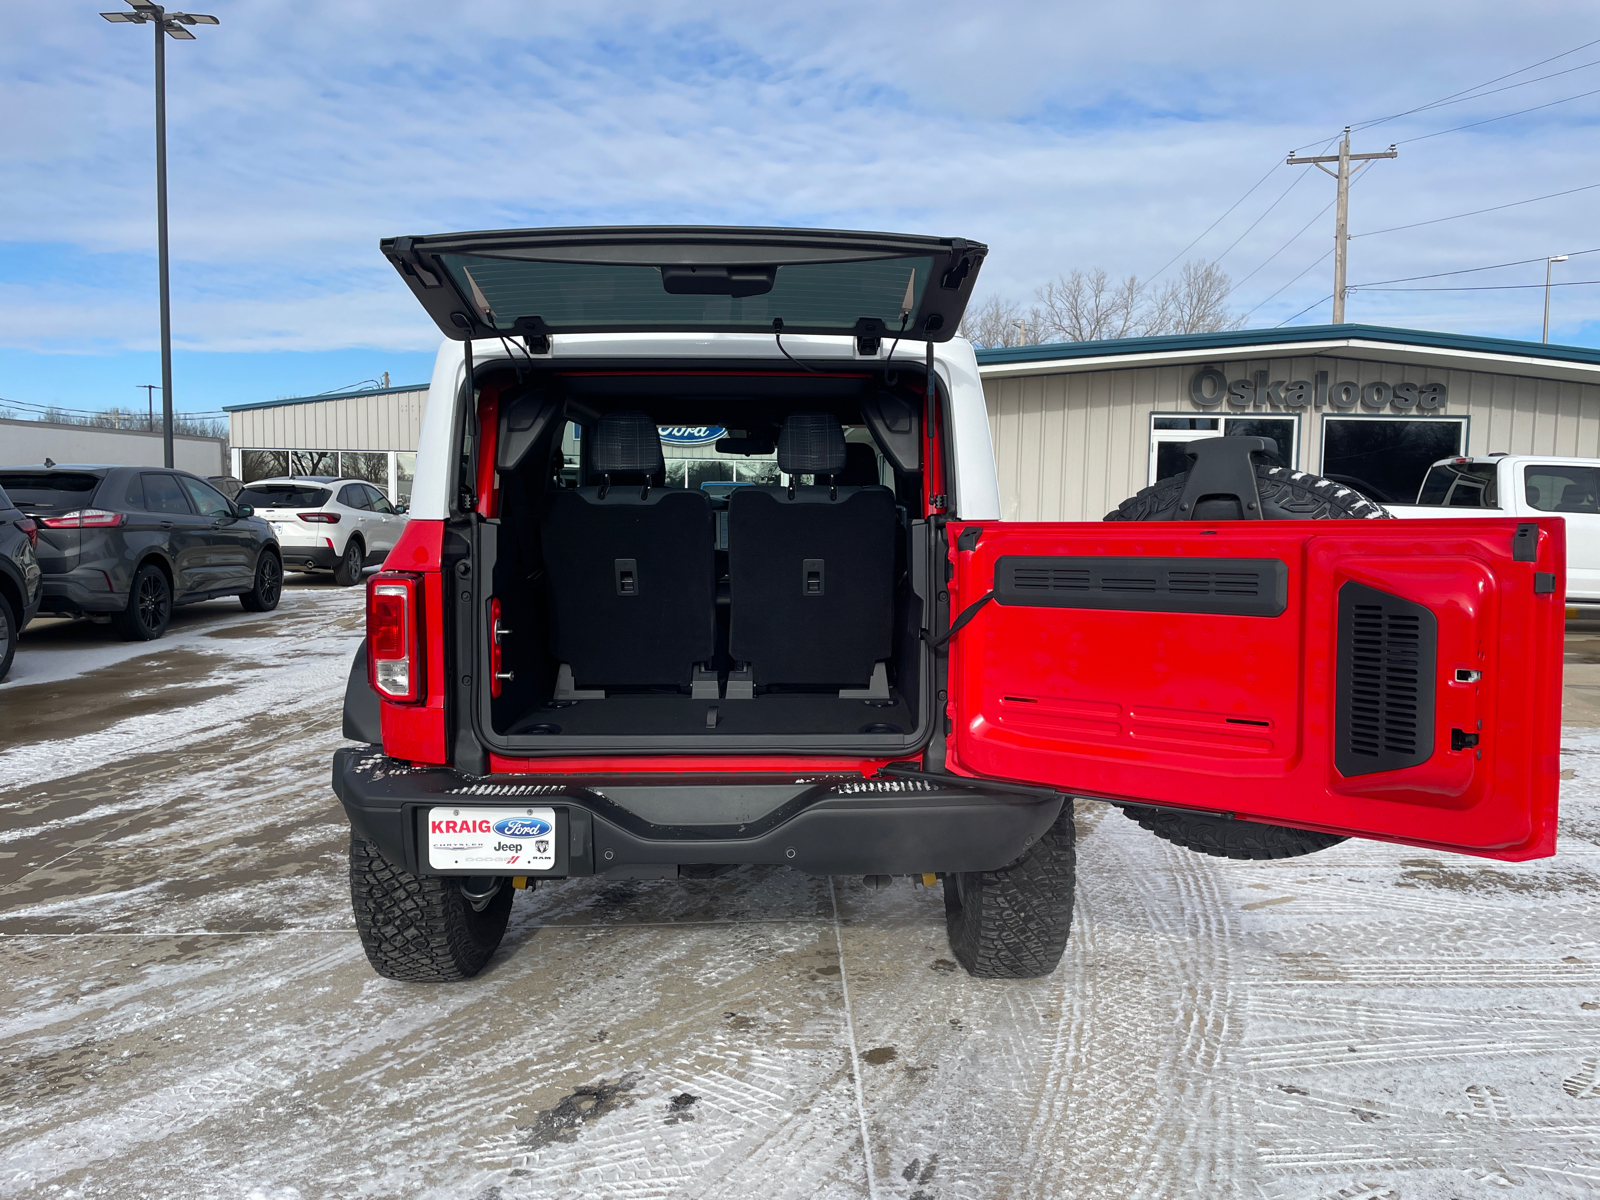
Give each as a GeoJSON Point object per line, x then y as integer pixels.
{"type": "Point", "coordinates": [626, 443]}
{"type": "Point", "coordinates": [860, 465]}
{"type": "Point", "coordinates": [811, 444]}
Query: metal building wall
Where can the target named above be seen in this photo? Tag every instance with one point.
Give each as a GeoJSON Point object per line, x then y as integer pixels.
{"type": "Point", "coordinates": [382, 421]}
{"type": "Point", "coordinates": [1072, 446]}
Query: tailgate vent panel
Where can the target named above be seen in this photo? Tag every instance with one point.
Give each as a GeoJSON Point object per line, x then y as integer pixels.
{"type": "Point", "coordinates": [1245, 587]}
{"type": "Point", "coordinates": [1387, 665]}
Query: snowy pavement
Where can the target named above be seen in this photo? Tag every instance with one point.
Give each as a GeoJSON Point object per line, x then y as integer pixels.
{"type": "Point", "coordinates": [185, 1010]}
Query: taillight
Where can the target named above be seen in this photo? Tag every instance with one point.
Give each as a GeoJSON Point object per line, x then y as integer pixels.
{"type": "Point", "coordinates": [28, 527]}
{"type": "Point", "coordinates": [320, 518]}
{"type": "Point", "coordinates": [83, 518]}
{"type": "Point", "coordinates": [394, 637]}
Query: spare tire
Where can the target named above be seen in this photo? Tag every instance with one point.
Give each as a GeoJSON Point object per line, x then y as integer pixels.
{"type": "Point", "coordinates": [1285, 496]}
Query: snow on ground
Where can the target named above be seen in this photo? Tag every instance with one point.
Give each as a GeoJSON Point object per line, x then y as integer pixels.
{"type": "Point", "coordinates": [185, 1009]}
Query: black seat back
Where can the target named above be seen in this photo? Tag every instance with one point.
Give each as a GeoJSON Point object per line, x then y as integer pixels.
{"type": "Point", "coordinates": [630, 568]}
{"type": "Point", "coordinates": [811, 568]}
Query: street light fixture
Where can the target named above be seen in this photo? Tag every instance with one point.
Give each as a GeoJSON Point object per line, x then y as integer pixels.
{"type": "Point", "coordinates": [1557, 258]}
{"type": "Point", "coordinates": [174, 24]}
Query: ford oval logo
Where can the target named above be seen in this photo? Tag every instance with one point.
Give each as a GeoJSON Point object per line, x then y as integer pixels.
{"type": "Point", "coordinates": [521, 827]}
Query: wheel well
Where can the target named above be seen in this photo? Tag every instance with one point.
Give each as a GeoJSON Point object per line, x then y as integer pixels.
{"type": "Point", "coordinates": [10, 590]}
{"type": "Point", "coordinates": [162, 566]}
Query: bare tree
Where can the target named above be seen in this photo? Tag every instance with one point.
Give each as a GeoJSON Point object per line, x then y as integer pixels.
{"type": "Point", "coordinates": [1000, 322]}
{"type": "Point", "coordinates": [1087, 306]}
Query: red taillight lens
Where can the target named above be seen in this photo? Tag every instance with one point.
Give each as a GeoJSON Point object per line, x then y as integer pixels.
{"type": "Point", "coordinates": [320, 518]}
{"type": "Point", "coordinates": [83, 518]}
{"type": "Point", "coordinates": [394, 637]}
{"type": "Point", "coordinates": [28, 527]}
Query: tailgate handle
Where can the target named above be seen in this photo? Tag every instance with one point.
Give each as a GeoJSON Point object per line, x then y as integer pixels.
{"type": "Point", "coordinates": [1525, 543]}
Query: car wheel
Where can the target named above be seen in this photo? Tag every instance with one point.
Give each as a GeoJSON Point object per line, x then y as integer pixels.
{"type": "Point", "coordinates": [1285, 496]}
{"type": "Point", "coordinates": [10, 631]}
{"type": "Point", "coordinates": [264, 596]}
{"type": "Point", "coordinates": [149, 606]}
{"type": "Point", "coordinates": [424, 928]}
{"type": "Point", "coordinates": [348, 572]}
{"type": "Point", "coordinates": [1013, 923]}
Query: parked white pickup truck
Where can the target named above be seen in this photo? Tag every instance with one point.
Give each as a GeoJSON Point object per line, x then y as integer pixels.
{"type": "Point", "coordinates": [1523, 485]}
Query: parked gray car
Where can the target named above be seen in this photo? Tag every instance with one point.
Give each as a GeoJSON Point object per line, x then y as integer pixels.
{"type": "Point", "coordinates": [20, 586]}
{"type": "Point", "coordinates": [133, 542]}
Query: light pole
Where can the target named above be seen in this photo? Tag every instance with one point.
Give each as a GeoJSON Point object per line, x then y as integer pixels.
{"type": "Point", "coordinates": [173, 24]}
{"type": "Point", "coordinates": [1555, 259]}
{"type": "Point", "coordinates": [149, 392]}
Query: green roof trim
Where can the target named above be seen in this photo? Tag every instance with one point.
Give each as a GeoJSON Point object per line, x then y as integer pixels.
{"type": "Point", "coordinates": [389, 391]}
{"type": "Point", "coordinates": [1243, 339]}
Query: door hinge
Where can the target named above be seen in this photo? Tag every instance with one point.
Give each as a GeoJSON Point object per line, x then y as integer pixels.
{"type": "Point", "coordinates": [1544, 583]}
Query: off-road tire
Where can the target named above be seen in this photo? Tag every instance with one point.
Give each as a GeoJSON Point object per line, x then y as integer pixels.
{"type": "Point", "coordinates": [149, 609]}
{"type": "Point", "coordinates": [1013, 923]}
{"type": "Point", "coordinates": [1222, 837]}
{"type": "Point", "coordinates": [348, 573]}
{"type": "Point", "coordinates": [10, 631]}
{"type": "Point", "coordinates": [268, 587]}
{"type": "Point", "coordinates": [1285, 496]}
{"type": "Point", "coordinates": [420, 928]}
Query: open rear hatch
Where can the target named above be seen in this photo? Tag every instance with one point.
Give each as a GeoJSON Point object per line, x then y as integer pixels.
{"type": "Point", "coordinates": [689, 279]}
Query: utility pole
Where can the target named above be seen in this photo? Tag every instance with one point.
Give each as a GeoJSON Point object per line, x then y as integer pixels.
{"type": "Point", "coordinates": [1341, 229]}
{"type": "Point", "coordinates": [171, 24]}
{"type": "Point", "coordinates": [149, 400]}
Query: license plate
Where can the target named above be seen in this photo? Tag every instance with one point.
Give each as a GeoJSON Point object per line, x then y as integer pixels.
{"type": "Point", "coordinates": [510, 841]}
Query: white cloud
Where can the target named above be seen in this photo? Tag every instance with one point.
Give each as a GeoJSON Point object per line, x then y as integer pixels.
{"type": "Point", "coordinates": [1062, 135]}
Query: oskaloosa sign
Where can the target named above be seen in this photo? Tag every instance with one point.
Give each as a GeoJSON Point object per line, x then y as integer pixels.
{"type": "Point", "coordinates": [1210, 388]}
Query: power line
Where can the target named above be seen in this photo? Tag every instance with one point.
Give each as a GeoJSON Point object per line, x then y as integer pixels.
{"type": "Point", "coordinates": [1478, 87]}
{"type": "Point", "coordinates": [1488, 287]}
{"type": "Point", "coordinates": [1478, 211]}
{"type": "Point", "coordinates": [1507, 88]}
{"type": "Point", "coordinates": [1215, 223]}
{"type": "Point", "coordinates": [1470, 270]}
{"type": "Point", "coordinates": [1491, 120]}
{"type": "Point", "coordinates": [1261, 218]}
{"type": "Point", "coordinates": [1295, 280]}
{"type": "Point", "coordinates": [1281, 248]}
{"type": "Point", "coordinates": [1304, 311]}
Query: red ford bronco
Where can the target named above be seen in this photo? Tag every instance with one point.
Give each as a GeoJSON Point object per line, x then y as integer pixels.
{"type": "Point", "coordinates": [705, 568]}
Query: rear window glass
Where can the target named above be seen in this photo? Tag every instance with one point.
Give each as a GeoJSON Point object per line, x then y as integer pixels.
{"type": "Point", "coordinates": [53, 490]}
{"type": "Point", "coordinates": [282, 495]}
{"type": "Point", "coordinates": [1460, 485]}
{"type": "Point", "coordinates": [1563, 489]}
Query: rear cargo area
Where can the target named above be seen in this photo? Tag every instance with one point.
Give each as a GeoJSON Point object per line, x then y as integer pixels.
{"type": "Point", "coordinates": [704, 557]}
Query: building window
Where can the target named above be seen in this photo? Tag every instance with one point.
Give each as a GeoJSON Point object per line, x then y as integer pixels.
{"type": "Point", "coordinates": [370, 465]}
{"type": "Point", "coordinates": [314, 462]}
{"type": "Point", "coordinates": [263, 464]}
{"type": "Point", "coordinates": [1170, 432]}
{"type": "Point", "coordinates": [1386, 459]}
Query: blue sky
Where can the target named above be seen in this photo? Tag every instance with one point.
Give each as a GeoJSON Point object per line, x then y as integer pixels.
{"type": "Point", "coordinates": [1064, 135]}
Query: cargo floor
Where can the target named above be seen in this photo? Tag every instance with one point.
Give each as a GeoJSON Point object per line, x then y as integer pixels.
{"type": "Point", "coordinates": [784, 714]}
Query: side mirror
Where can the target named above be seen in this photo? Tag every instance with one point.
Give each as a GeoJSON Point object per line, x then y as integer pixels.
{"type": "Point", "coordinates": [244, 510]}
{"type": "Point", "coordinates": [401, 509]}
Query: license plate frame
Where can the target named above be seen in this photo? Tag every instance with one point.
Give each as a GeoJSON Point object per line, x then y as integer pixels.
{"type": "Point", "coordinates": [485, 840]}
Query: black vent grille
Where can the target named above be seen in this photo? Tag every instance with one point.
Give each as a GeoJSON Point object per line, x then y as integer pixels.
{"type": "Point", "coordinates": [1387, 665]}
{"type": "Point", "coordinates": [1255, 587]}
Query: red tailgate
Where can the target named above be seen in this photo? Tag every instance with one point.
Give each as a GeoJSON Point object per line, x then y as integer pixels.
{"type": "Point", "coordinates": [1389, 679]}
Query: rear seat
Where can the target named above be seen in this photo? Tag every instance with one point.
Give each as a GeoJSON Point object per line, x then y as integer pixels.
{"type": "Point", "coordinates": [630, 567]}
{"type": "Point", "coordinates": [811, 569]}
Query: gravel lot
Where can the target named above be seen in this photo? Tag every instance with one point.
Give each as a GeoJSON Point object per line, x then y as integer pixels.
{"type": "Point", "coordinates": [187, 1012]}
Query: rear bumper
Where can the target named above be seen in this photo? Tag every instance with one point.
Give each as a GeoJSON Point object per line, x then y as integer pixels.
{"type": "Point", "coordinates": [308, 558]}
{"type": "Point", "coordinates": [624, 825]}
{"type": "Point", "coordinates": [85, 589]}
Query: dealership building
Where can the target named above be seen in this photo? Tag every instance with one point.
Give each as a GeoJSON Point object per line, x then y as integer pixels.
{"type": "Point", "coordinates": [1080, 426]}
